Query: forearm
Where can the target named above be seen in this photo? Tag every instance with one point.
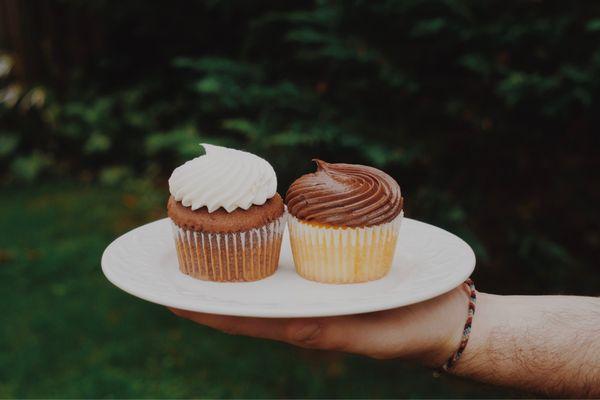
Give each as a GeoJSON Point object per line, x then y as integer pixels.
{"type": "Point", "coordinates": [544, 344]}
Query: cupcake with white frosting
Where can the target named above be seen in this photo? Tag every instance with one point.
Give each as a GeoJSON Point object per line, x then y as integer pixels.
{"type": "Point", "coordinates": [228, 218]}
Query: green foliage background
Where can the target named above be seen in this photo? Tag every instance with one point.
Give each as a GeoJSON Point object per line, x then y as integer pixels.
{"type": "Point", "coordinates": [485, 112]}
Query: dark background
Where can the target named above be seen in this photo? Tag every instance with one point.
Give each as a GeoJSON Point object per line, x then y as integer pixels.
{"type": "Point", "coordinates": [486, 112]}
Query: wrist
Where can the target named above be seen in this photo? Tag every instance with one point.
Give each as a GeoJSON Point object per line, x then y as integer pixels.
{"type": "Point", "coordinates": [490, 309]}
{"type": "Point", "coordinates": [449, 328]}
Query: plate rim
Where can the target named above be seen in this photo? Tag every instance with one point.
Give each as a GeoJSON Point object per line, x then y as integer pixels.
{"type": "Point", "coordinates": [259, 312]}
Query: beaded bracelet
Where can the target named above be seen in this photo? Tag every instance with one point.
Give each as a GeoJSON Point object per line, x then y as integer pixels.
{"type": "Point", "coordinates": [466, 330]}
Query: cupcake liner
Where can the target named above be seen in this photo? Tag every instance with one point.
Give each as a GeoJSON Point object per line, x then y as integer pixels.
{"type": "Point", "coordinates": [230, 257]}
{"type": "Point", "coordinates": [343, 255]}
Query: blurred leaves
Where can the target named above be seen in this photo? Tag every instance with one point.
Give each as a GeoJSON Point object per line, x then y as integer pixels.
{"type": "Point", "coordinates": [476, 63]}
{"type": "Point", "coordinates": [112, 176]}
{"type": "Point", "coordinates": [184, 141]}
{"type": "Point", "coordinates": [321, 78]}
{"type": "Point", "coordinates": [6, 65]}
{"type": "Point", "coordinates": [97, 143]}
{"type": "Point", "coordinates": [28, 168]}
{"type": "Point", "coordinates": [593, 25]}
{"type": "Point", "coordinates": [428, 27]}
{"type": "Point", "coordinates": [218, 65]}
{"type": "Point", "coordinates": [8, 143]}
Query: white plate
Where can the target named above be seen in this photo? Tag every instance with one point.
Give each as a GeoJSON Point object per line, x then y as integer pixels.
{"type": "Point", "coordinates": [429, 261]}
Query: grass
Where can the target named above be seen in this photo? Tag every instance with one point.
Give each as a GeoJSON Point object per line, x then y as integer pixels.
{"type": "Point", "coordinates": [65, 331]}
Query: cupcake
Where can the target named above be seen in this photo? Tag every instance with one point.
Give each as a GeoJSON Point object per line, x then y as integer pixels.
{"type": "Point", "coordinates": [344, 222]}
{"type": "Point", "coordinates": [227, 216]}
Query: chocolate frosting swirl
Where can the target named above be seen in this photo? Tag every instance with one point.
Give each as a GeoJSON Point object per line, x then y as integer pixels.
{"type": "Point", "coordinates": [345, 195]}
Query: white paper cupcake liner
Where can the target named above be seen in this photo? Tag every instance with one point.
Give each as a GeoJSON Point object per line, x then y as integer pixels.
{"type": "Point", "coordinates": [343, 255]}
{"type": "Point", "coordinates": [230, 257]}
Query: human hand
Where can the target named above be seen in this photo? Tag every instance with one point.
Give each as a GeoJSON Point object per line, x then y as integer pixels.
{"type": "Point", "coordinates": [428, 332]}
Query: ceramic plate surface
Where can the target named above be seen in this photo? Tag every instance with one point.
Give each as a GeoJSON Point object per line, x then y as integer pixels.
{"type": "Point", "coordinates": [429, 261]}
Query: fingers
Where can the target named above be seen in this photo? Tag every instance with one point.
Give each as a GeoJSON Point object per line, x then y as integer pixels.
{"type": "Point", "coordinates": [257, 327]}
{"type": "Point", "coordinates": [349, 333]}
{"type": "Point", "coordinates": [304, 332]}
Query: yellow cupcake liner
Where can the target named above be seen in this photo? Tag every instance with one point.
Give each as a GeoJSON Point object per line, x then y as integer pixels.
{"type": "Point", "coordinates": [230, 257]}
{"type": "Point", "coordinates": [343, 255]}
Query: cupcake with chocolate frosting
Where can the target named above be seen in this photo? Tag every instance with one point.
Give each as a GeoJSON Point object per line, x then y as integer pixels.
{"type": "Point", "coordinates": [344, 223]}
{"type": "Point", "coordinates": [228, 218]}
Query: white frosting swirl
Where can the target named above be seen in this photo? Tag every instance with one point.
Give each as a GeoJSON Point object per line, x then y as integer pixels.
{"type": "Point", "coordinates": [223, 177]}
